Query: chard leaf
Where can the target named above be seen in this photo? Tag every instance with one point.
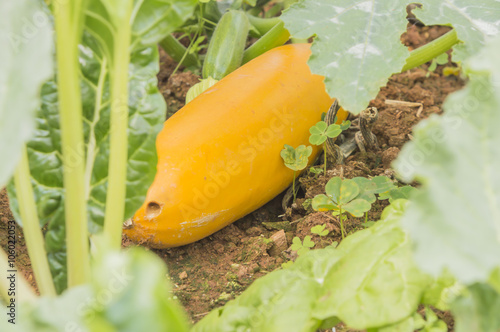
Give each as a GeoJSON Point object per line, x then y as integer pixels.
{"type": "Point", "coordinates": [146, 115]}
{"type": "Point", "coordinates": [151, 20]}
{"type": "Point", "coordinates": [24, 28]}
{"type": "Point", "coordinates": [357, 45]}
{"type": "Point", "coordinates": [477, 310]}
{"type": "Point", "coordinates": [129, 293]}
{"type": "Point", "coordinates": [474, 22]}
{"type": "Point", "coordinates": [455, 219]}
{"type": "Point", "coordinates": [369, 281]}
{"type": "Point", "coordinates": [375, 273]}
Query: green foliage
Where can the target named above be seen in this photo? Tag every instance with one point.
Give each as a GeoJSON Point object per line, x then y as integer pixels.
{"type": "Point", "coordinates": [474, 24]}
{"type": "Point", "coordinates": [301, 247]}
{"type": "Point", "coordinates": [323, 286]}
{"type": "Point", "coordinates": [404, 192]}
{"type": "Point", "coordinates": [129, 293]}
{"type": "Point", "coordinates": [198, 88]}
{"type": "Point", "coordinates": [477, 309]}
{"type": "Point", "coordinates": [146, 117]}
{"type": "Point", "coordinates": [441, 59]}
{"type": "Point", "coordinates": [196, 46]}
{"type": "Point", "coordinates": [354, 196]}
{"type": "Point", "coordinates": [320, 230]}
{"type": "Point", "coordinates": [368, 224]}
{"type": "Point", "coordinates": [344, 125]}
{"type": "Point", "coordinates": [296, 159]}
{"type": "Point", "coordinates": [442, 292]}
{"type": "Point", "coordinates": [457, 203]}
{"type": "Point", "coordinates": [353, 48]}
{"type": "Point", "coordinates": [316, 170]}
{"type": "Point", "coordinates": [22, 73]}
{"type": "Point", "coordinates": [341, 195]}
{"type": "Point", "coordinates": [321, 131]}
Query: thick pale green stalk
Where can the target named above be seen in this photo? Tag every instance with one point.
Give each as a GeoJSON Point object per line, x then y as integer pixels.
{"type": "Point", "coordinates": [431, 50]}
{"type": "Point", "coordinates": [277, 36]}
{"type": "Point", "coordinates": [31, 227]}
{"type": "Point", "coordinates": [70, 109]}
{"type": "Point", "coordinates": [117, 172]}
{"type": "Point", "coordinates": [24, 292]}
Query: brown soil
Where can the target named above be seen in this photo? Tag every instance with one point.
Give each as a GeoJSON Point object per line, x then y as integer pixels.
{"type": "Point", "coordinates": [208, 273]}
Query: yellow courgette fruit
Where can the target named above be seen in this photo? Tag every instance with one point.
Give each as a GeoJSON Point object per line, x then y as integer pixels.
{"type": "Point", "coordinates": [219, 156]}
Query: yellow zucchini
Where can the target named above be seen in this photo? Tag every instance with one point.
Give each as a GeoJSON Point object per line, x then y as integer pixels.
{"type": "Point", "coordinates": [219, 156]}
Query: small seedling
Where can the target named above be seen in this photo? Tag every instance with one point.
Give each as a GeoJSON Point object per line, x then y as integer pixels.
{"type": "Point", "coordinates": [320, 230]}
{"type": "Point", "coordinates": [321, 131]}
{"type": "Point", "coordinates": [341, 196]}
{"type": "Point", "coordinates": [296, 159]}
{"type": "Point", "coordinates": [302, 246]}
{"type": "Point", "coordinates": [354, 196]}
{"type": "Point", "coordinates": [316, 171]}
{"type": "Point", "coordinates": [307, 204]}
{"type": "Point", "coordinates": [441, 59]}
{"type": "Point", "coordinates": [197, 46]}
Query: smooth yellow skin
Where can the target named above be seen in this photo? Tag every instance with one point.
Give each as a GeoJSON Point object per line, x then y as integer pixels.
{"type": "Point", "coordinates": [219, 156]}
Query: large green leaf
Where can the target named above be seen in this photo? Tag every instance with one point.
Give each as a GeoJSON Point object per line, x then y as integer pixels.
{"type": "Point", "coordinates": [369, 281]}
{"type": "Point", "coordinates": [151, 20]}
{"type": "Point", "coordinates": [375, 273]}
{"type": "Point", "coordinates": [357, 46]}
{"type": "Point", "coordinates": [146, 115]}
{"type": "Point", "coordinates": [129, 293]}
{"type": "Point", "coordinates": [25, 64]}
{"type": "Point", "coordinates": [455, 218]}
{"type": "Point", "coordinates": [477, 310]}
{"type": "Point", "coordinates": [474, 22]}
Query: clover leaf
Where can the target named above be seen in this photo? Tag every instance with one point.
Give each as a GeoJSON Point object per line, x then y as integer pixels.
{"type": "Point", "coordinates": [321, 131]}
{"type": "Point", "coordinates": [296, 159]}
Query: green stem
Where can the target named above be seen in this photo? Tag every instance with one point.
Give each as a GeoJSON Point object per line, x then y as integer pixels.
{"type": "Point", "coordinates": [263, 25]}
{"type": "Point", "coordinates": [118, 146]}
{"type": "Point", "coordinates": [277, 36]}
{"type": "Point", "coordinates": [24, 292]}
{"type": "Point", "coordinates": [178, 52]}
{"type": "Point", "coordinates": [70, 110]}
{"type": "Point", "coordinates": [31, 227]}
{"type": "Point", "coordinates": [341, 214]}
{"type": "Point", "coordinates": [293, 187]}
{"type": "Point", "coordinates": [198, 32]}
{"type": "Point", "coordinates": [431, 50]}
{"type": "Point", "coordinates": [324, 154]}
